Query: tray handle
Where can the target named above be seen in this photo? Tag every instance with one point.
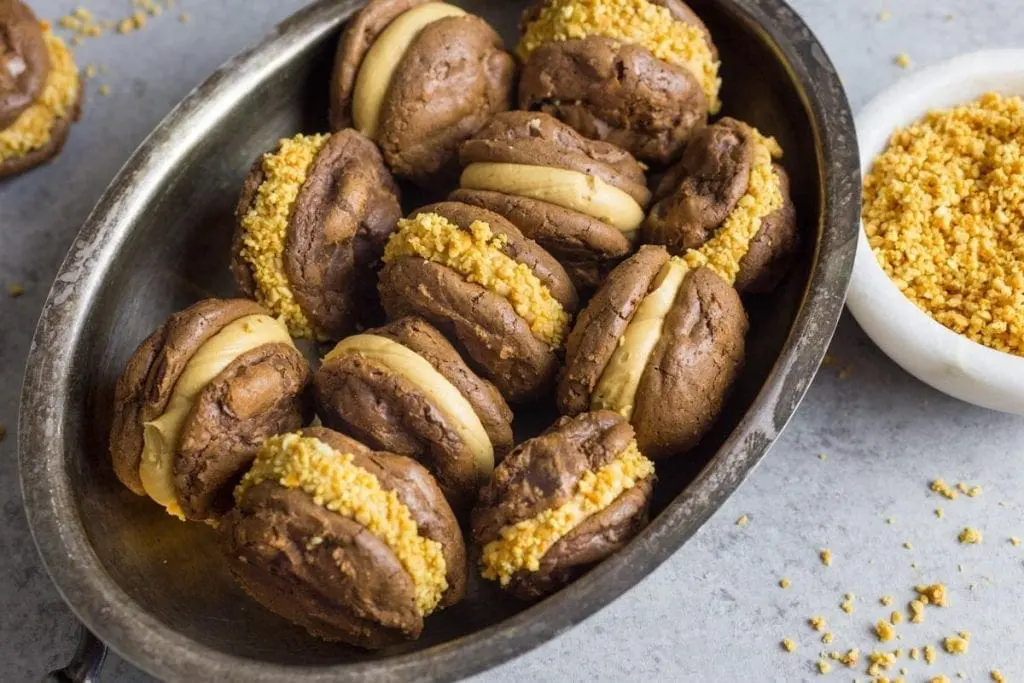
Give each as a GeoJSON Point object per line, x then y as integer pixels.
{"type": "Point", "coordinates": [86, 662]}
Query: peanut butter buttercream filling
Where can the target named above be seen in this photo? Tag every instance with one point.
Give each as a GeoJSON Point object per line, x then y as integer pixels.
{"type": "Point", "coordinates": [616, 389]}
{"type": "Point", "coordinates": [569, 189]}
{"type": "Point", "coordinates": [162, 435]}
{"type": "Point", "coordinates": [33, 129]}
{"type": "Point", "coordinates": [265, 227]}
{"type": "Point", "coordinates": [521, 546]}
{"type": "Point", "coordinates": [477, 256]}
{"type": "Point", "coordinates": [445, 398]}
{"type": "Point", "coordinates": [335, 482]}
{"type": "Point", "coordinates": [724, 252]}
{"type": "Point", "coordinates": [637, 22]}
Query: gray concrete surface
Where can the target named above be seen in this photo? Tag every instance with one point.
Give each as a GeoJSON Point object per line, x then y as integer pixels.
{"type": "Point", "coordinates": [714, 612]}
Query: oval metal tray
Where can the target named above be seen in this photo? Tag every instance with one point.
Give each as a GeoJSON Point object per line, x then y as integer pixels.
{"type": "Point", "coordinates": [153, 588]}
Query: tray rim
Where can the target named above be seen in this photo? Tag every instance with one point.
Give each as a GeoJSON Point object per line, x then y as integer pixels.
{"type": "Point", "coordinates": [97, 600]}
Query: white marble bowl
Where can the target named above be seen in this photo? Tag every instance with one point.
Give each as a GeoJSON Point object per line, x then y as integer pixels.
{"type": "Point", "coordinates": [934, 354]}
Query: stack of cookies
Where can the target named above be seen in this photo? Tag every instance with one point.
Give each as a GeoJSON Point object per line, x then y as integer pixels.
{"type": "Point", "coordinates": [588, 251]}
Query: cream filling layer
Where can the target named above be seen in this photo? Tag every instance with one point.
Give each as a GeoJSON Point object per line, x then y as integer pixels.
{"type": "Point", "coordinates": [413, 367]}
{"type": "Point", "coordinates": [569, 189]}
{"type": "Point", "coordinates": [381, 61]}
{"type": "Point", "coordinates": [161, 436]}
{"type": "Point", "coordinates": [616, 389]}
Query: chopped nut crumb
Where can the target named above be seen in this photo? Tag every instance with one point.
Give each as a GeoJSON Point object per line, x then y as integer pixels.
{"type": "Point", "coordinates": [828, 638]}
{"type": "Point", "coordinates": [822, 456]}
{"type": "Point", "coordinates": [880, 661]}
{"type": "Point", "coordinates": [184, 18]}
{"type": "Point", "coordinates": [784, 583]}
{"type": "Point", "coordinates": [91, 71]}
{"type": "Point", "coordinates": [929, 654]}
{"type": "Point", "coordinates": [886, 600]}
{"type": "Point", "coordinates": [934, 594]}
{"type": "Point", "coordinates": [850, 658]}
{"type": "Point", "coordinates": [939, 679]}
{"type": "Point", "coordinates": [743, 521]}
{"type": "Point", "coordinates": [15, 289]}
{"type": "Point", "coordinates": [817, 623]}
{"type": "Point", "coordinates": [788, 645]}
{"type": "Point", "coordinates": [104, 90]}
{"type": "Point", "coordinates": [826, 557]}
{"type": "Point", "coordinates": [939, 512]}
{"type": "Point", "coordinates": [907, 545]}
{"type": "Point", "coordinates": [847, 605]}
{"type": "Point", "coordinates": [903, 60]}
{"type": "Point", "coordinates": [970, 535]}
{"type": "Point", "coordinates": [823, 666]}
{"type": "Point", "coordinates": [1014, 541]}
{"type": "Point", "coordinates": [969, 491]}
{"type": "Point", "coordinates": [942, 488]}
{"type": "Point", "coordinates": [997, 676]}
{"type": "Point", "coordinates": [884, 631]}
{"type": "Point", "coordinates": [955, 645]}
{"type": "Point", "coordinates": [890, 520]}
{"type": "Point", "coordinates": [895, 617]}
{"type": "Point", "coordinates": [916, 611]}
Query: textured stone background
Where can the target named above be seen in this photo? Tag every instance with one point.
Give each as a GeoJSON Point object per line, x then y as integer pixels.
{"type": "Point", "coordinates": [714, 612]}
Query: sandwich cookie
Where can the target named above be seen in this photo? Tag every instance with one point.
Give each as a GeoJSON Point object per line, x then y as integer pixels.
{"type": "Point", "coordinates": [583, 201]}
{"type": "Point", "coordinates": [198, 397]}
{"type": "Point", "coordinates": [418, 78]}
{"type": "Point", "coordinates": [641, 74]}
{"type": "Point", "coordinates": [728, 200]}
{"type": "Point", "coordinates": [562, 502]}
{"type": "Point", "coordinates": [355, 545]}
{"type": "Point", "coordinates": [312, 222]}
{"type": "Point", "coordinates": [660, 344]}
{"type": "Point", "coordinates": [40, 90]}
{"type": "Point", "coordinates": [498, 296]}
{"type": "Point", "coordinates": [404, 389]}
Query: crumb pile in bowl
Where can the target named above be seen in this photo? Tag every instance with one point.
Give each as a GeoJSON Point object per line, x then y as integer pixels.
{"type": "Point", "coordinates": [943, 210]}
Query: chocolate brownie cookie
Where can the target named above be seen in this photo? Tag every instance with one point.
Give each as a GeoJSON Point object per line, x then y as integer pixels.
{"type": "Point", "coordinates": [355, 545]}
{"type": "Point", "coordinates": [40, 90]}
{"type": "Point", "coordinates": [196, 399]}
{"type": "Point", "coordinates": [403, 388]}
{"type": "Point", "coordinates": [728, 200]}
{"type": "Point", "coordinates": [313, 219]}
{"type": "Point", "coordinates": [581, 200]}
{"type": "Point", "coordinates": [496, 294]}
{"type": "Point", "coordinates": [562, 502]}
{"type": "Point", "coordinates": [660, 343]}
{"type": "Point", "coordinates": [642, 74]}
{"type": "Point", "coordinates": [418, 78]}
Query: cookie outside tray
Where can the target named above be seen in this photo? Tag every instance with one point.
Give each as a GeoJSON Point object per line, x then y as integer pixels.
{"type": "Point", "coordinates": [196, 399]}
{"type": "Point", "coordinates": [355, 545]}
{"type": "Point", "coordinates": [403, 388]}
{"type": "Point", "coordinates": [418, 78]}
{"type": "Point", "coordinates": [562, 502]}
{"type": "Point", "coordinates": [582, 200]}
{"type": "Point", "coordinates": [40, 90]}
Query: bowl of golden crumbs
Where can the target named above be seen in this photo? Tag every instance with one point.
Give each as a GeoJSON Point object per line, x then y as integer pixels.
{"type": "Point", "coordinates": [939, 278]}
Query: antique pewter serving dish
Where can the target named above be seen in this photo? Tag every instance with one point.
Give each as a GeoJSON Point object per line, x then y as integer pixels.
{"type": "Point", "coordinates": [154, 589]}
